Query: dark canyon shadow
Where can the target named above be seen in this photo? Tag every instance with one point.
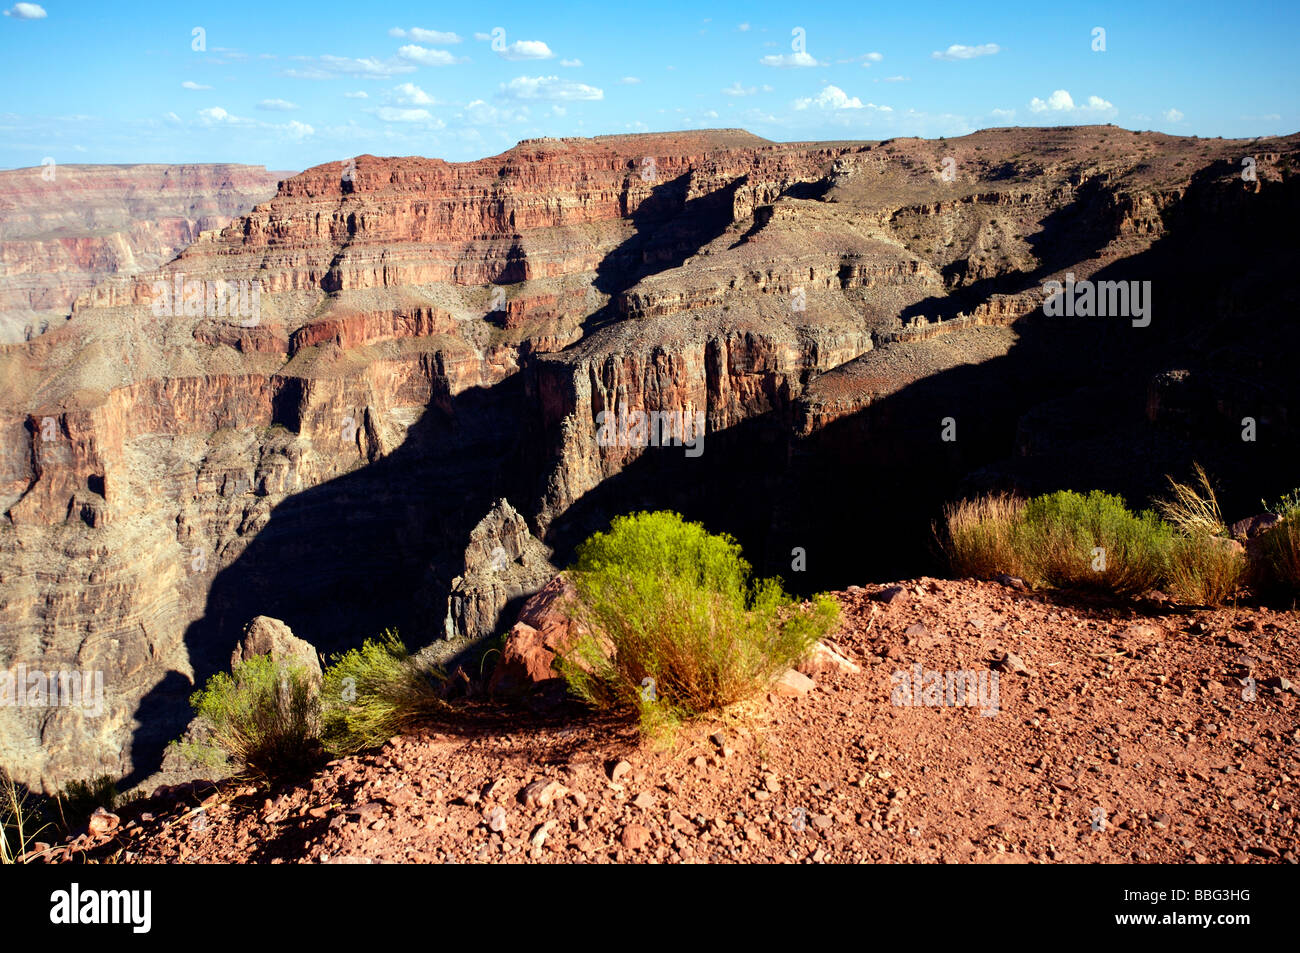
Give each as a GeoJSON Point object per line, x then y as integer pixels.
{"type": "Point", "coordinates": [373, 549]}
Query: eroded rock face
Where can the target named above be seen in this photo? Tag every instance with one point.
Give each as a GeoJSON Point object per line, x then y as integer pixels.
{"type": "Point", "coordinates": [64, 228]}
{"type": "Point", "coordinates": [431, 338]}
{"type": "Point", "coordinates": [503, 563]}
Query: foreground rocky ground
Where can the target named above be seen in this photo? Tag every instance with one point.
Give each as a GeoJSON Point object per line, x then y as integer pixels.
{"type": "Point", "coordinates": [1121, 735]}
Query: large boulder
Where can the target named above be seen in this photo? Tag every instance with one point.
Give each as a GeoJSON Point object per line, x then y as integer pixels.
{"type": "Point", "coordinates": [545, 627]}
{"type": "Point", "coordinates": [267, 636]}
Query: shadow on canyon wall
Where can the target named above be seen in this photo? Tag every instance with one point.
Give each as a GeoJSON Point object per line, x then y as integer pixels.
{"type": "Point", "coordinates": [1066, 407]}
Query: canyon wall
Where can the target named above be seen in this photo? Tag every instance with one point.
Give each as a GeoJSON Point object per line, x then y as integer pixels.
{"type": "Point", "coordinates": [429, 339]}
{"type": "Point", "coordinates": [64, 227]}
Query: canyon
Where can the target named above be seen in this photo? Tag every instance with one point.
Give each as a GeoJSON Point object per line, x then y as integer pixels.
{"type": "Point", "coordinates": [64, 227]}
{"type": "Point", "coordinates": [407, 435]}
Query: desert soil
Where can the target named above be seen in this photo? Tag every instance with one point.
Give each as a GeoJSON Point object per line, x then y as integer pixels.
{"type": "Point", "coordinates": [1133, 734]}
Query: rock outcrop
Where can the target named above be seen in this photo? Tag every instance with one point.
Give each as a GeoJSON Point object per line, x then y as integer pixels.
{"type": "Point", "coordinates": [504, 563]}
{"type": "Point", "coordinates": [267, 636]}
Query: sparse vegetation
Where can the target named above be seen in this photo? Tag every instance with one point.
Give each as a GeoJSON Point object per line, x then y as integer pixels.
{"type": "Point", "coordinates": [1205, 570]}
{"type": "Point", "coordinates": [1093, 542]}
{"type": "Point", "coordinates": [374, 692]}
{"type": "Point", "coordinates": [673, 626]}
{"type": "Point", "coordinates": [1064, 539]}
{"type": "Point", "coordinates": [19, 823]}
{"type": "Point", "coordinates": [1206, 566]}
{"type": "Point", "coordinates": [264, 715]}
{"type": "Point", "coordinates": [1049, 541]}
{"type": "Point", "coordinates": [79, 799]}
{"type": "Point", "coordinates": [1275, 568]}
{"type": "Point", "coordinates": [981, 536]}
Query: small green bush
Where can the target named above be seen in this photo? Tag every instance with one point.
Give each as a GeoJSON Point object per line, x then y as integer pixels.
{"type": "Point", "coordinates": [672, 626]}
{"type": "Point", "coordinates": [264, 716]}
{"type": "Point", "coordinates": [1093, 542]}
{"type": "Point", "coordinates": [374, 692]}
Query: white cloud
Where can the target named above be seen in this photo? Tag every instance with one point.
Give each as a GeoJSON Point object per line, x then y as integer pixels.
{"type": "Point", "coordinates": [408, 94]}
{"type": "Point", "coordinates": [394, 114]}
{"type": "Point", "coordinates": [482, 37]}
{"type": "Point", "coordinates": [866, 59]}
{"type": "Point", "coordinates": [743, 28]}
{"type": "Point", "coordinates": [298, 130]}
{"type": "Point", "coordinates": [332, 67]}
{"type": "Point", "coordinates": [526, 50]}
{"type": "Point", "coordinates": [786, 60]}
{"type": "Point", "coordinates": [359, 94]}
{"type": "Point", "coordinates": [482, 113]}
{"type": "Point", "coordinates": [629, 81]}
{"type": "Point", "coordinates": [427, 57]}
{"type": "Point", "coordinates": [437, 37]}
{"type": "Point", "coordinates": [1059, 101]}
{"type": "Point", "coordinates": [277, 105]}
{"type": "Point", "coordinates": [1002, 113]}
{"type": "Point", "coordinates": [550, 88]}
{"type": "Point", "coordinates": [735, 89]}
{"type": "Point", "coordinates": [832, 97]}
{"type": "Point", "coordinates": [215, 114]}
{"type": "Point", "coordinates": [896, 79]}
{"type": "Point", "coordinates": [172, 118]}
{"type": "Point", "coordinates": [1173, 115]}
{"type": "Point", "coordinates": [1062, 102]}
{"type": "Point", "coordinates": [190, 84]}
{"type": "Point", "coordinates": [26, 11]}
{"type": "Point", "coordinates": [570, 62]}
{"type": "Point", "coordinates": [959, 52]}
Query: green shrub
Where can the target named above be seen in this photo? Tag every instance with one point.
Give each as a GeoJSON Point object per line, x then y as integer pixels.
{"type": "Point", "coordinates": [264, 716]}
{"type": "Point", "coordinates": [374, 692]}
{"type": "Point", "coordinates": [1093, 542]}
{"type": "Point", "coordinates": [672, 626]}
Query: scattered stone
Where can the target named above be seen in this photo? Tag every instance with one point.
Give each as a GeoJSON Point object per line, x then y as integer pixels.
{"type": "Point", "coordinates": [619, 770]}
{"type": "Point", "coordinates": [102, 822]}
{"type": "Point", "coordinates": [539, 835]}
{"type": "Point", "coordinates": [824, 657]}
{"type": "Point", "coordinates": [542, 792]}
{"type": "Point", "coordinates": [890, 594]}
{"type": "Point", "coordinates": [1012, 663]}
{"type": "Point", "coordinates": [793, 684]}
{"type": "Point", "coordinates": [635, 836]}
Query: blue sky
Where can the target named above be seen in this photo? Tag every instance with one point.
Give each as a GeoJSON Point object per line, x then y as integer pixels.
{"type": "Point", "coordinates": [293, 84]}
